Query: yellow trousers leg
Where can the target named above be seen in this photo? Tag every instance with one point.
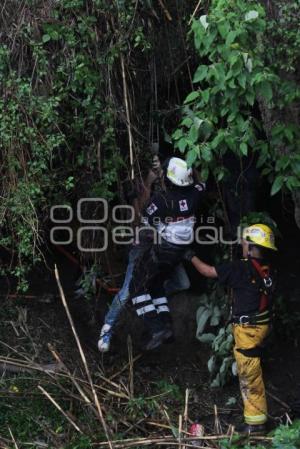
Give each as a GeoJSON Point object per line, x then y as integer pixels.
{"type": "Point", "coordinates": [250, 373]}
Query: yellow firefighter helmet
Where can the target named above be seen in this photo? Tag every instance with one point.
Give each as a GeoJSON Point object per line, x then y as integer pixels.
{"type": "Point", "coordinates": [260, 235]}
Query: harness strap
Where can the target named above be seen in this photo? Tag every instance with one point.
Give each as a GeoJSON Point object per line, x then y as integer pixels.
{"type": "Point", "coordinates": [264, 273]}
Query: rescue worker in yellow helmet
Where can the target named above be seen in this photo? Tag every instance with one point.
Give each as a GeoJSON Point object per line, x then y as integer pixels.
{"type": "Point", "coordinates": [251, 281]}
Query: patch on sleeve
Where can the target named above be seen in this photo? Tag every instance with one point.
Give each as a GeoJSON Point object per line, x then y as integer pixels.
{"type": "Point", "coordinates": [183, 205]}
{"type": "Point", "coordinates": [201, 186]}
{"type": "Point", "coordinates": [151, 209]}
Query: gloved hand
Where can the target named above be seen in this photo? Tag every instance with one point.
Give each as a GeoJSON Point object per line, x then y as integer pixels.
{"type": "Point", "coordinates": [189, 254]}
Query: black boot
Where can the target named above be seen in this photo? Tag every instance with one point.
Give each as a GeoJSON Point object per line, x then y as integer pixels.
{"type": "Point", "coordinates": [158, 338]}
{"type": "Point", "coordinates": [251, 429]}
{"type": "Point", "coordinates": [160, 331]}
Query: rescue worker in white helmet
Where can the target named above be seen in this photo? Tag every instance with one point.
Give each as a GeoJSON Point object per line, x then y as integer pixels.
{"type": "Point", "coordinates": [251, 280]}
{"type": "Point", "coordinates": [172, 215]}
{"type": "Point", "coordinates": [178, 279]}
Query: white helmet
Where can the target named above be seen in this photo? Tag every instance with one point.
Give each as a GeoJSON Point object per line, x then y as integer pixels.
{"type": "Point", "coordinates": [178, 172]}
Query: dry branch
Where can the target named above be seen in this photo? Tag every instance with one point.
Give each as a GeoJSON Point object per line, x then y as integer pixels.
{"type": "Point", "coordinates": [65, 414]}
{"type": "Point", "coordinates": [167, 440]}
{"type": "Point", "coordinates": [83, 358]}
{"type": "Point", "coordinates": [195, 11]}
{"type": "Point", "coordinates": [128, 122]}
{"type": "Point", "coordinates": [164, 8]}
{"type": "Point", "coordinates": [20, 367]}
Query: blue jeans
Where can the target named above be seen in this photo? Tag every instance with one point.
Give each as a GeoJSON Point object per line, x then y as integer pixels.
{"type": "Point", "coordinates": [177, 282]}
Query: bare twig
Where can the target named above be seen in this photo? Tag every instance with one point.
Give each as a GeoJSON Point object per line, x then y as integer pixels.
{"type": "Point", "coordinates": [74, 381]}
{"type": "Point", "coordinates": [275, 398]}
{"type": "Point", "coordinates": [130, 363]}
{"type": "Point", "coordinates": [83, 358]}
{"type": "Point", "coordinates": [164, 8]}
{"type": "Point", "coordinates": [128, 122]}
{"type": "Point", "coordinates": [179, 430]}
{"type": "Point", "coordinates": [186, 412]}
{"type": "Point", "coordinates": [60, 409]}
{"type": "Point", "coordinates": [13, 438]}
{"type": "Point", "coordinates": [125, 367]}
{"type": "Point", "coordinates": [218, 427]}
{"type": "Point", "coordinates": [168, 440]}
{"type": "Point", "coordinates": [195, 11]}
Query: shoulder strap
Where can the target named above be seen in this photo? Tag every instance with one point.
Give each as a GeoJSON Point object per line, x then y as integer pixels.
{"type": "Point", "coordinates": [264, 273]}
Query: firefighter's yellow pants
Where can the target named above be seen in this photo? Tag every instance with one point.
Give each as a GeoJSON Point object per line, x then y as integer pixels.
{"type": "Point", "coordinates": [249, 371]}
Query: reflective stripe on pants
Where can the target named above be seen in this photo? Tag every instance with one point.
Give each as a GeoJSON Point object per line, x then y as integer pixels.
{"type": "Point", "coordinates": [250, 372]}
{"type": "Point", "coordinates": [143, 305]}
{"type": "Point", "coordinates": [161, 305]}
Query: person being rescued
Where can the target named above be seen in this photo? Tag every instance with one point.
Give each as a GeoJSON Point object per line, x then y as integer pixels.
{"type": "Point", "coordinates": [251, 280]}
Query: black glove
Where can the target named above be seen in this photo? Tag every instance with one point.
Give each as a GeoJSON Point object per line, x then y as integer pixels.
{"type": "Point", "coordinates": [189, 254]}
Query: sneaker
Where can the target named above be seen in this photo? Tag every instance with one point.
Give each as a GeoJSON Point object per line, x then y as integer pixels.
{"type": "Point", "coordinates": [105, 337]}
{"type": "Point", "coordinates": [158, 338]}
{"type": "Point", "coordinates": [251, 429]}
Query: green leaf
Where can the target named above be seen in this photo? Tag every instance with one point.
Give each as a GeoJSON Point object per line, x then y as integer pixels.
{"type": "Point", "coordinates": [205, 95]}
{"type": "Point", "coordinates": [215, 319]}
{"type": "Point", "coordinates": [249, 65]}
{"type": "Point", "coordinates": [187, 122]}
{"type": "Point", "coordinates": [230, 37]}
{"type": "Point", "coordinates": [200, 74]}
{"type": "Point", "coordinates": [244, 148]}
{"type": "Point", "coordinates": [206, 338]}
{"type": "Point", "coordinates": [289, 134]}
{"type": "Point", "coordinates": [231, 142]}
{"type": "Point", "coordinates": [211, 363]}
{"type": "Point", "coordinates": [216, 382]}
{"type": "Point", "coordinates": [242, 80]}
{"type": "Point", "coordinates": [277, 184]}
{"type": "Point", "coordinates": [218, 139]}
{"type": "Point", "coordinates": [191, 157]}
{"type": "Point", "coordinates": [220, 175]}
{"type": "Point", "coordinates": [182, 143]}
{"type": "Point", "coordinates": [198, 122]}
{"type": "Point", "coordinates": [263, 157]}
{"type": "Point", "coordinates": [206, 154]}
{"type": "Point", "coordinates": [177, 134]}
{"type": "Point", "coordinates": [203, 21]}
{"type": "Point", "coordinates": [293, 183]}
{"type": "Point", "coordinates": [223, 29]}
{"type": "Point", "coordinates": [231, 117]}
{"type": "Point", "coordinates": [231, 401]}
{"type": "Point", "coordinates": [204, 173]}
{"type": "Point", "coordinates": [46, 38]}
{"type": "Point", "coordinates": [266, 90]}
{"type": "Point", "coordinates": [192, 96]}
{"type": "Point", "coordinates": [193, 134]}
{"type": "Point", "coordinates": [203, 314]}
{"type": "Point", "coordinates": [167, 137]}
{"type": "Point", "coordinates": [250, 97]}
